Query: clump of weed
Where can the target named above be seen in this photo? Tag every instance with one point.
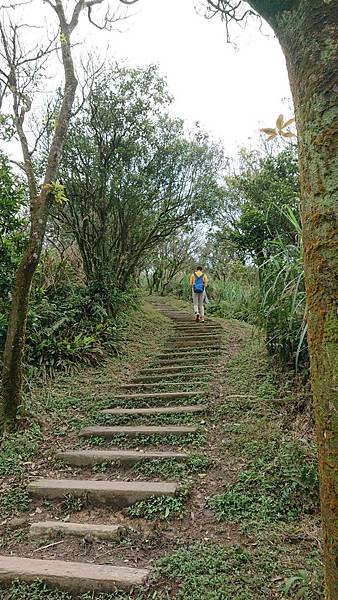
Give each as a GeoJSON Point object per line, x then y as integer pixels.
{"type": "Point", "coordinates": [161, 507]}
{"type": "Point", "coordinates": [72, 504]}
{"type": "Point", "coordinates": [13, 501]}
{"type": "Point", "coordinates": [216, 572]}
{"type": "Point", "coordinates": [195, 463]}
{"type": "Point", "coordinates": [195, 440]}
{"type": "Point", "coordinates": [35, 591]}
{"type": "Point", "coordinates": [12, 536]}
{"type": "Point", "coordinates": [279, 483]}
{"type": "Point", "coordinates": [18, 448]}
{"type": "Point", "coordinates": [209, 572]}
{"type": "Point", "coordinates": [40, 591]}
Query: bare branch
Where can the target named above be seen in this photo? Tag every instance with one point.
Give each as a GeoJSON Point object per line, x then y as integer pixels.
{"type": "Point", "coordinates": [90, 74]}
{"type": "Point", "coordinates": [229, 11]}
{"type": "Point", "coordinates": [15, 4]}
{"type": "Point", "coordinates": [18, 164]}
{"type": "Point", "coordinates": [108, 20]}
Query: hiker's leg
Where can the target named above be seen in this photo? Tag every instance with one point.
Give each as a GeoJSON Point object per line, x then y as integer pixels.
{"type": "Point", "coordinates": [201, 305]}
{"type": "Point", "coordinates": [195, 302]}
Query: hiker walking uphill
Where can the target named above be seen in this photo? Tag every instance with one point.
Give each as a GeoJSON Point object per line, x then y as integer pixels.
{"type": "Point", "coordinates": [198, 282]}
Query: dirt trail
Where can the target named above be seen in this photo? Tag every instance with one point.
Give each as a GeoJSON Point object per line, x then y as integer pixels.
{"type": "Point", "coordinates": [169, 390]}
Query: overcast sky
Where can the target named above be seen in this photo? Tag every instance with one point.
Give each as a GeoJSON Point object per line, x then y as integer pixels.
{"type": "Point", "coordinates": [231, 91]}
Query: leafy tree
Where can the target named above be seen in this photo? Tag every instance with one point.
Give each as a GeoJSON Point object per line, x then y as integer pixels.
{"type": "Point", "coordinates": [12, 225]}
{"type": "Point", "coordinates": [172, 257]}
{"type": "Point", "coordinates": [132, 176]}
{"type": "Point", "coordinates": [260, 224]}
{"type": "Point", "coordinates": [262, 188]}
{"type": "Point", "coordinates": [24, 66]}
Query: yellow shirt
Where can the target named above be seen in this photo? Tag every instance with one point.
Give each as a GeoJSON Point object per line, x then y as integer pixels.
{"type": "Point", "coordinates": [198, 273]}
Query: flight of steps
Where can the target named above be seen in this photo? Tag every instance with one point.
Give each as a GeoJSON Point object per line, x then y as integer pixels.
{"type": "Point", "coordinates": [191, 352]}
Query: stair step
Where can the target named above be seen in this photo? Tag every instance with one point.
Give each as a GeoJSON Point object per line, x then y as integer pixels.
{"type": "Point", "coordinates": [193, 349]}
{"type": "Point", "coordinates": [197, 326]}
{"type": "Point", "coordinates": [181, 362]}
{"type": "Point", "coordinates": [195, 336]}
{"type": "Point", "coordinates": [127, 386]}
{"type": "Point", "coordinates": [160, 395]}
{"type": "Point", "coordinates": [82, 458]}
{"type": "Point", "coordinates": [186, 354]}
{"type": "Point", "coordinates": [184, 376]}
{"type": "Point", "coordinates": [92, 530]}
{"type": "Point", "coordinates": [75, 577]}
{"type": "Point", "coordinates": [156, 410]}
{"type": "Point", "coordinates": [191, 343]}
{"type": "Point", "coordinates": [114, 493]}
{"type": "Point", "coordinates": [191, 321]}
{"type": "Point", "coordinates": [193, 326]}
{"type": "Point", "coordinates": [130, 431]}
{"type": "Point", "coordinates": [168, 369]}
{"type": "Point", "coordinates": [198, 360]}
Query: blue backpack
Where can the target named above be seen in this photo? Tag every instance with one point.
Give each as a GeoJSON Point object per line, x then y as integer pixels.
{"type": "Point", "coordinates": [198, 283]}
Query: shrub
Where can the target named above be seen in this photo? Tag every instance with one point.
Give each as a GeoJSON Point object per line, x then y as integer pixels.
{"type": "Point", "coordinates": [70, 323]}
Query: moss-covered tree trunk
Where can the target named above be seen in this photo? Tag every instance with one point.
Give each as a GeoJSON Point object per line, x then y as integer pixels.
{"type": "Point", "coordinates": [15, 340]}
{"type": "Point", "coordinates": [11, 397]}
{"type": "Point", "coordinates": [308, 33]}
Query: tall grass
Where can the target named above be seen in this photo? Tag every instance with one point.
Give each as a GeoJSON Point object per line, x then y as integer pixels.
{"type": "Point", "coordinates": [283, 301]}
{"type": "Point", "coordinates": [233, 299]}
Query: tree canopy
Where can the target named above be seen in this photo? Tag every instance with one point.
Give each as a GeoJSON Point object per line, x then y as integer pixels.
{"type": "Point", "coordinates": [132, 175]}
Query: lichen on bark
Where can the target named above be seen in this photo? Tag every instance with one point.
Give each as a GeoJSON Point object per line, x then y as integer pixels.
{"type": "Point", "coordinates": [308, 34]}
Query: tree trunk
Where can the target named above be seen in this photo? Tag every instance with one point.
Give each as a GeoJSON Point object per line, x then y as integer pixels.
{"type": "Point", "coordinates": [12, 370]}
{"type": "Point", "coordinates": [308, 33]}
{"type": "Point", "coordinates": [15, 340]}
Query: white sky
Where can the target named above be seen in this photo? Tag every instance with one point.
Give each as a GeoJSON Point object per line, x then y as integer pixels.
{"type": "Point", "coordinates": [231, 91]}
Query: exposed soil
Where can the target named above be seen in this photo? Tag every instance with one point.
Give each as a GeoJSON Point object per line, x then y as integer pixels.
{"type": "Point", "coordinates": [144, 541]}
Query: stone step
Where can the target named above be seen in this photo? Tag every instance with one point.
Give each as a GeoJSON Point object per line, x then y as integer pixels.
{"type": "Point", "coordinates": [198, 360]}
{"type": "Point", "coordinates": [156, 410]}
{"type": "Point", "coordinates": [192, 348]}
{"type": "Point", "coordinates": [193, 323]}
{"type": "Point", "coordinates": [159, 395]}
{"type": "Point", "coordinates": [183, 375]}
{"type": "Point", "coordinates": [181, 354]}
{"type": "Point", "coordinates": [169, 369]}
{"type": "Point", "coordinates": [176, 311]}
{"type": "Point", "coordinates": [131, 386]}
{"type": "Point", "coordinates": [198, 343]}
{"type": "Point", "coordinates": [196, 332]}
{"type": "Point", "coordinates": [189, 352]}
{"type": "Point", "coordinates": [195, 335]}
{"type": "Point", "coordinates": [130, 431]}
{"type": "Point", "coordinates": [197, 326]}
{"type": "Point", "coordinates": [94, 531]}
{"type": "Point", "coordinates": [83, 458]}
{"type": "Point", "coordinates": [113, 493]}
{"type": "Point", "coordinates": [175, 317]}
{"type": "Point", "coordinates": [76, 577]}
{"type": "Point", "coordinates": [195, 348]}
